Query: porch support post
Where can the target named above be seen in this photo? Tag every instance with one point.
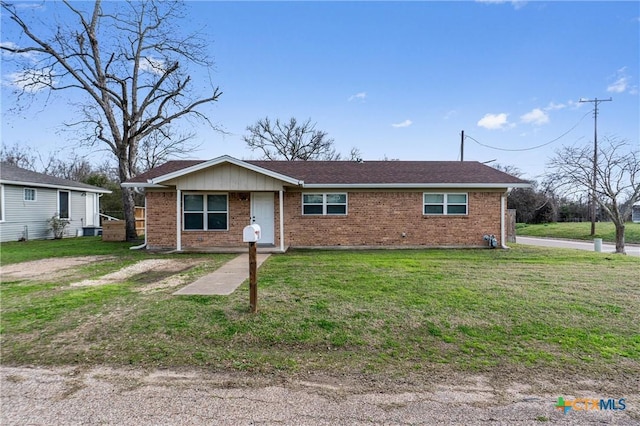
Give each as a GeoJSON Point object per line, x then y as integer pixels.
{"type": "Point", "coordinates": [503, 237]}
{"type": "Point", "coordinates": [178, 221]}
{"type": "Point", "coordinates": [281, 210]}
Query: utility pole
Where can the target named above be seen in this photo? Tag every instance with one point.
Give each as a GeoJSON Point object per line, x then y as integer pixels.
{"type": "Point", "coordinates": [595, 102]}
{"type": "Point", "coordinates": [462, 146]}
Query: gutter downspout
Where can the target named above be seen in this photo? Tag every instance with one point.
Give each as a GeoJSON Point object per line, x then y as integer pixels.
{"type": "Point", "coordinates": [141, 246]}
{"type": "Point", "coordinates": [281, 211]}
{"type": "Point", "coordinates": [503, 236]}
{"type": "Point", "coordinates": [178, 221]}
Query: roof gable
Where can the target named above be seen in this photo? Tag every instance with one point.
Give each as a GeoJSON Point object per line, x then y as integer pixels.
{"type": "Point", "coordinates": [11, 174]}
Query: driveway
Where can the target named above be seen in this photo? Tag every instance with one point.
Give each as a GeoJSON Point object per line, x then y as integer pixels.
{"type": "Point", "coordinates": [632, 250]}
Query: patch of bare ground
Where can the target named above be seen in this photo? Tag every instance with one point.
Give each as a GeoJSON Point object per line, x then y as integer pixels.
{"type": "Point", "coordinates": [51, 268]}
{"type": "Point", "coordinates": [150, 271]}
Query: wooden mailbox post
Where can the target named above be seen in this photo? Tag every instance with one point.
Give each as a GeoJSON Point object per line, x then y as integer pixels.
{"type": "Point", "coordinates": [251, 235]}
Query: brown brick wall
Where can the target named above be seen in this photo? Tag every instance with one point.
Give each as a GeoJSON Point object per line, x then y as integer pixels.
{"type": "Point", "coordinates": [161, 219]}
{"type": "Point", "coordinates": [374, 218]}
{"type": "Point", "coordinates": [381, 218]}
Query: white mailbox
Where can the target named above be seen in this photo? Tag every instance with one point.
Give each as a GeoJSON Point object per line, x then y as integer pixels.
{"type": "Point", "coordinates": [251, 233]}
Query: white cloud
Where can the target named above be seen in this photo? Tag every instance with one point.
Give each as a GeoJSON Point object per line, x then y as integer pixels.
{"type": "Point", "coordinates": [450, 114]}
{"type": "Point", "coordinates": [619, 86]}
{"type": "Point", "coordinates": [152, 65]}
{"type": "Point", "coordinates": [405, 123]}
{"type": "Point", "coordinates": [622, 83]}
{"type": "Point", "coordinates": [29, 6]}
{"type": "Point", "coordinates": [517, 4]}
{"type": "Point", "coordinates": [554, 106]}
{"type": "Point", "coordinates": [31, 81]}
{"type": "Point", "coordinates": [494, 121]}
{"type": "Point", "coordinates": [358, 97]}
{"type": "Point", "coordinates": [12, 45]}
{"type": "Point", "coordinates": [536, 116]}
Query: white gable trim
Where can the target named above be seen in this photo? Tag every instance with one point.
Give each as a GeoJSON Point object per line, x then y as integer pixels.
{"type": "Point", "coordinates": [63, 187]}
{"type": "Point", "coordinates": [224, 159]}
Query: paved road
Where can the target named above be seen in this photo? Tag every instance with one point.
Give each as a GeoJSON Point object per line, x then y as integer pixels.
{"type": "Point", "coordinates": [632, 250]}
{"type": "Point", "coordinates": [137, 397]}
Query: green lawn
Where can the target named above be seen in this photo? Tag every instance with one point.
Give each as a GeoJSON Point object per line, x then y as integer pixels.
{"type": "Point", "coordinates": [13, 252]}
{"type": "Point", "coordinates": [579, 231]}
{"type": "Point", "coordinates": [380, 313]}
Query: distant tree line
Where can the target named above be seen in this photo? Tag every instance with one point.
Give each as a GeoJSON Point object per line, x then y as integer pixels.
{"type": "Point", "coordinates": [77, 169]}
{"type": "Point", "coordinates": [541, 203]}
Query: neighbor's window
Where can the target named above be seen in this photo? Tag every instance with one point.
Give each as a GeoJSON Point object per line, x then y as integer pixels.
{"type": "Point", "coordinates": [324, 204]}
{"type": "Point", "coordinates": [63, 204]}
{"type": "Point", "coordinates": [445, 204]}
{"type": "Point", "coordinates": [29, 194]}
{"type": "Point", "coordinates": [1, 203]}
{"type": "Point", "coordinates": [207, 212]}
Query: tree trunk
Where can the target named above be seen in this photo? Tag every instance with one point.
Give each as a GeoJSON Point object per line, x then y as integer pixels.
{"type": "Point", "coordinates": [128, 202]}
{"type": "Point", "coordinates": [620, 238]}
{"type": "Point", "coordinates": [129, 205]}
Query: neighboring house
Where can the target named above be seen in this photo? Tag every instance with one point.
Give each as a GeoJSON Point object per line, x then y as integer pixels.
{"type": "Point", "coordinates": [28, 199]}
{"type": "Point", "coordinates": [635, 213]}
{"type": "Point", "coordinates": [194, 204]}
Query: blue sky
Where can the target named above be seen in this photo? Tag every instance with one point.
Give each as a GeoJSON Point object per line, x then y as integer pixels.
{"type": "Point", "coordinates": [402, 79]}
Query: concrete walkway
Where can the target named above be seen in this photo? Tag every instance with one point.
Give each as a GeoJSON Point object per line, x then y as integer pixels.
{"type": "Point", "coordinates": [225, 280]}
{"type": "Point", "coordinates": [632, 250]}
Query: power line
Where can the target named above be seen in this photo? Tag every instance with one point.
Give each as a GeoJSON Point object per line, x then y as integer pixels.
{"type": "Point", "coordinates": [533, 147]}
{"type": "Point", "coordinates": [595, 102]}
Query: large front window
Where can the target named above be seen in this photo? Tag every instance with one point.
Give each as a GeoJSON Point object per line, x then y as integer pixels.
{"type": "Point", "coordinates": [206, 212]}
{"type": "Point", "coordinates": [324, 204]}
{"type": "Point", "coordinates": [445, 204]}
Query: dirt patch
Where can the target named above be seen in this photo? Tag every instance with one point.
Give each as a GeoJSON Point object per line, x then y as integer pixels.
{"type": "Point", "coordinates": [156, 273]}
{"type": "Point", "coordinates": [47, 267]}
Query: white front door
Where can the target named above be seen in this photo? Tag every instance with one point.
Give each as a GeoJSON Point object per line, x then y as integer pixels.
{"type": "Point", "coordinates": [262, 213]}
{"type": "Point", "coordinates": [90, 209]}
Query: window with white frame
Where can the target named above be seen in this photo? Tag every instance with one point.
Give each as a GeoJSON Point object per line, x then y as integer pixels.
{"type": "Point", "coordinates": [64, 205]}
{"type": "Point", "coordinates": [324, 204]}
{"type": "Point", "coordinates": [445, 203]}
{"type": "Point", "coordinates": [1, 203]}
{"type": "Point", "coordinates": [206, 212]}
{"type": "Point", "coordinates": [29, 194]}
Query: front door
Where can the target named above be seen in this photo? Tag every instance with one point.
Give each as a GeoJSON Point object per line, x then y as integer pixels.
{"type": "Point", "coordinates": [262, 213]}
{"type": "Point", "coordinates": [90, 205]}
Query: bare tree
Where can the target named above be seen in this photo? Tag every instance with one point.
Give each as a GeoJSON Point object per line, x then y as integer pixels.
{"type": "Point", "coordinates": [19, 155]}
{"type": "Point", "coordinates": [617, 185]}
{"type": "Point", "coordinates": [163, 145]}
{"type": "Point", "coordinates": [290, 140]}
{"type": "Point", "coordinates": [128, 61]}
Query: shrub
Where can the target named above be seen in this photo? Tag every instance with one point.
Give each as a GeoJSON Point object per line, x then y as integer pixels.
{"type": "Point", "coordinates": [57, 225]}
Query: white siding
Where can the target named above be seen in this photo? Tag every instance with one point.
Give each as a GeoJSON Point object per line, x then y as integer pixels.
{"type": "Point", "coordinates": [31, 216]}
{"type": "Point", "coordinates": [635, 213]}
{"type": "Point", "coordinates": [226, 177]}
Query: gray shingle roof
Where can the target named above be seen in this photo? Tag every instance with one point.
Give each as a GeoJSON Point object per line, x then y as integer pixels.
{"type": "Point", "coordinates": [366, 172]}
{"type": "Point", "coordinates": [13, 174]}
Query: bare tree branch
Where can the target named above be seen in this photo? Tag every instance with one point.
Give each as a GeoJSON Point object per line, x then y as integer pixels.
{"type": "Point", "coordinates": [126, 59]}
{"type": "Point", "coordinates": [290, 140]}
{"type": "Point", "coordinates": [617, 172]}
